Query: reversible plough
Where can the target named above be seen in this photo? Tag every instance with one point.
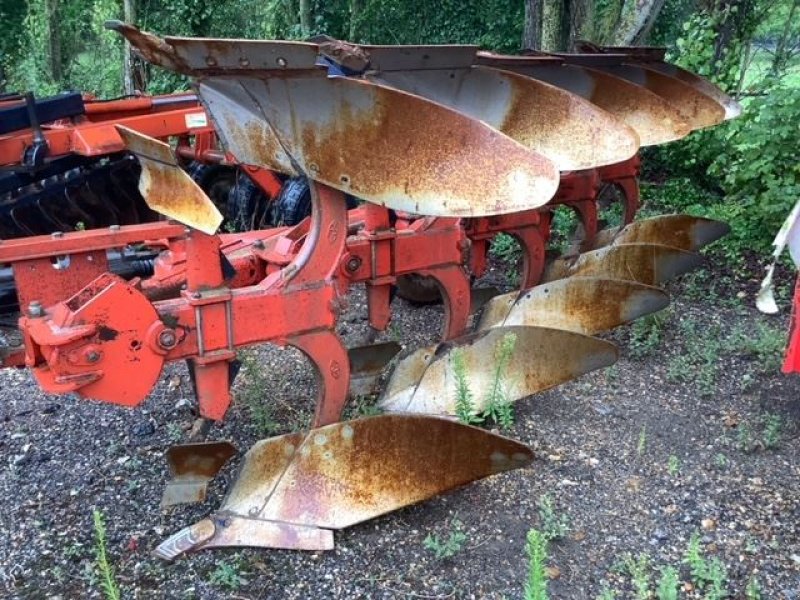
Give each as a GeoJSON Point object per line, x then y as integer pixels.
{"type": "Point", "coordinates": [447, 147]}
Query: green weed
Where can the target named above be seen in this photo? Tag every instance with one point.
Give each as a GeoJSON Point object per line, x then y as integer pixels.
{"type": "Point", "coordinates": [465, 403]}
{"type": "Point", "coordinates": [228, 575]}
{"type": "Point", "coordinates": [673, 465]}
{"type": "Point", "coordinates": [253, 394]}
{"type": "Point", "coordinates": [536, 548]}
{"type": "Point", "coordinates": [753, 589]}
{"type": "Point", "coordinates": [641, 446]}
{"type": "Point", "coordinates": [445, 547]}
{"type": "Point", "coordinates": [639, 570]}
{"type": "Point", "coordinates": [499, 406]}
{"type": "Point", "coordinates": [647, 334]}
{"type": "Point", "coordinates": [553, 525]}
{"type": "Point", "coordinates": [771, 435]}
{"type": "Point", "coordinates": [106, 571]}
{"type": "Point", "coordinates": [667, 588]}
{"type": "Point", "coordinates": [606, 594]}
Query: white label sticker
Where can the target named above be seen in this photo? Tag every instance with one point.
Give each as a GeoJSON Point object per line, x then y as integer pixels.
{"type": "Point", "coordinates": [196, 120]}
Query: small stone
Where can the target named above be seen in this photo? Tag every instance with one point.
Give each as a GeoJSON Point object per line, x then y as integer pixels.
{"type": "Point", "coordinates": [708, 524]}
{"type": "Point", "coordinates": [552, 572]}
{"type": "Point", "coordinates": [143, 429]}
{"type": "Point", "coordinates": [51, 408]}
{"type": "Point", "coordinates": [660, 534]}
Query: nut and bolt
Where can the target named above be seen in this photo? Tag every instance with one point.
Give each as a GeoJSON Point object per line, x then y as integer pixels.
{"type": "Point", "coordinates": [57, 234]}
{"type": "Point", "coordinates": [353, 264]}
{"type": "Point", "coordinates": [258, 244]}
{"type": "Point", "coordinates": [35, 309]}
{"type": "Point", "coordinates": [92, 356]}
{"type": "Point", "coordinates": [114, 227]}
{"type": "Point", "coordinates": [167, 339]}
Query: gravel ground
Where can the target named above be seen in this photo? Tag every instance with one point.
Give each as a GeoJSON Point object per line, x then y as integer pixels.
{"type": "Point", "coordinates": [694, 430]}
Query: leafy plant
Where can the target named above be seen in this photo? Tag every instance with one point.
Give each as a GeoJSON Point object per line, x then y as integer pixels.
{"type": "Point", "coordinates": [641, 446]}
{"type": "Point", "coordinates": [673, 465]}
{"type": "Point", "coordinates": [228, 575]}
{"type": "Point", "coordinates": [499, 406]}
{"type": "Point", "coordinates": [772, 430]}
{"type": "Point", "coordinates": [639, 570]}
{"type": "Point", "coordinates": [465, 403]}
{"type": "Point", "coordinates": [106, 571]}
{"type": "Point", "coordinates": [253, 393]}
{"type": "Point", "coordinates": [536, 548]}
{"type": "Point", "coordinates": [668, 584]}
{"type": "Point", "coordinates": [753, 590]}
{"type": "Point", "coordinates": [553, 525]}
{"type": "Point", "coordinates": [446, 547]}
{"type": "Point", "coordinates": [708, 575]}
{"type": "Point", "coordinates": [647, 333]}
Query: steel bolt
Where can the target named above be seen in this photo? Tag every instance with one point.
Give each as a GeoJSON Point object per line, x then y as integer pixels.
{"type": "Point", "coordinates": [353, 264]}
{"type": "Point", "coordinates": [258, 244]}
{"type": "Point", "coordinates": [197, 295]}
{"type": "Point", "coordinates": [35, 309]}
{"type": "Point", "coordinates": [167, 339]}
{"type": "Point", "coordinates": [114, 227]}
{"type": "Point", "coordinates": [57, 234]}
{"type": "Point", "coordinates": [92, 356]}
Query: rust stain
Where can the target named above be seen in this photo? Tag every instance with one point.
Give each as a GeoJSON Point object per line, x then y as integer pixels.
{"type": "Point", "coordinates": [565, 127]}
{"type": "Point", "coordinates": [587, 305]}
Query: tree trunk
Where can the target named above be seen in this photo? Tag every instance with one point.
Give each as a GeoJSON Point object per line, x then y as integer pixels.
{"type": "Point", "coordinates": [305, 17]}
{"type": "Point", "coordinates": [781, 58]}
{"type": "Point", "coordinates": [645, 14]}
{"type": "Point", "coordinates": [581, 21]}
{"type": "Point", "coordinates": [356, 6]}
{"type": "Point", "coordinates": [128, 76]}
{"type": "Point", "coordinates": [555, 25]}
{"type": "Point", "coordinates": [54, 41]}
{"type": "Point", "coordinates": [532, 30]}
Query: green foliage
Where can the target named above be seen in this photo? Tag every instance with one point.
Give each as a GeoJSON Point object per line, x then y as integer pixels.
{"type": "Point", "coordinates": [639, 570]}
{"type": "Point", "coordinates": [708, 575]}
{"type": "Point", "coordinates": [553, 526]}
{"type": "Point", "coordinates": [647, 333]}
{"type": "Point", "coordinates": [228, 575]}
{"type": "Point", "coordinates": [772, 430]}
{"type": "Point", "coordinates": [606, 594]}
{"type": "Point", "coordinates": [536, 548]}
{"type": "Point", "coordinates": [673, 465]}
{"type": "Point", "coordinates": [465, 403]}
{"type": "Point", "coordinates": [445, 547]}
{"type": "Point", "coordinates": [253, 393]}
{"type": "Point", "coordinates": [753, 590]}
{"type": "Point", "coordinates": [499, 405]}
{"type": "Point", "coordinates": [108, 582]}
{"type": "Point", "coordinates": [668, 584]}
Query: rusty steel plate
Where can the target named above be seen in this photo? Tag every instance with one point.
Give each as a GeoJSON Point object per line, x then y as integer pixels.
{"type": "Point", "coordinates": [191, 467]}
{"type": "Point", "coordinates": [685, 232]}
{"type": "Point", "coordinates": [732, 108]}
{"type": "Point", "coordinates": [656, 120]}
{"type": "Point", "coordinates": [196, 56]}
{"type": "Point", "coordinates": [540, 359]}
{"type": "Point", "coordinates": [166, 187]}
{"type": "Point", "coordinates": [408, 373]}
{"type": "Point", "coordinates": [567, 129]}
{"type": "Point", "coordinates": [377, 143]}
{"type": "Point", "coordinates": [651, 264]}
{"type": "Point", "coordinates": [698, 109]}
{"type": "Point", "coordinates": [587, 305]}
{"type": "Point", "coordinates": [339, 475]}
{"type": "Point", "coordinates": [366, 365]}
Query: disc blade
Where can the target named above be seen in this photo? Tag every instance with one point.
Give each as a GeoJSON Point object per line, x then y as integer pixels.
{"type": "Point", "coordinates": [529, 359]}
{"type": "Point", "coordinates": [587, 305]}
{"type": "Point", "coordinates": [166, 187]}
